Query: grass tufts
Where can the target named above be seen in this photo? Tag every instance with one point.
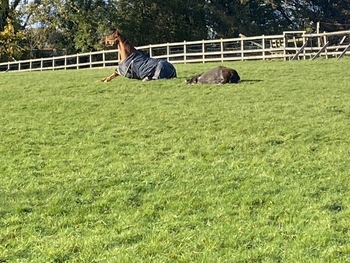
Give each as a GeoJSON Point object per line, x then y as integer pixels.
{"type": "Point", "coordinates": [161, 171]}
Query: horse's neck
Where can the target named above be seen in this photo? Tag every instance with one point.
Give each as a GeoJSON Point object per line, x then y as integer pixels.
{"type": "Point", "coordinates": [125, 50]}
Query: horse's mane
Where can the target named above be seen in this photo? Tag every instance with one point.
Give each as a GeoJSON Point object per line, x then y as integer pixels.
{"type": "Point", "coordinates": [122, 39]}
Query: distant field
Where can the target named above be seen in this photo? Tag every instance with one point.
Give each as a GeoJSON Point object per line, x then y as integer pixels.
{"type": "Point", "coordinates": [161, 171]}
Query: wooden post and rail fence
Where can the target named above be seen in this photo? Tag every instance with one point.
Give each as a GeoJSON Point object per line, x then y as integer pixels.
{"type": "Point", "coordinates": [291, 45]}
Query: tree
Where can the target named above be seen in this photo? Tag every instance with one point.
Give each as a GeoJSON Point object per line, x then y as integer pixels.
{"type": "Point", "coordinates": [4, 9]}
{"type": "Point", "coordinates": [77, 25]}
{"type": "Point", "coordinates": [230, 18]}
{"type": "Point", "coordinates": [255, 17]}
{"type": "Point", "coordinates": [69, 24]}
{"type": "Point", "coordinates": [10, 42]}
{"type": "Point", "coordinates": [304, 14]}
{"type": "Point", "coordinates": [83, 21]}
{"type": "Point", "coordinates": [11, 32]}
{"type": "Point", "coordinates": [155, 21]}
{"type": "Point", "coordinates": [334, 15]}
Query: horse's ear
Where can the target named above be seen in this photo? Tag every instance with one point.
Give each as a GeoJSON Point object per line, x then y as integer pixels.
{"type": "Point", "coordinates": [117, 32]}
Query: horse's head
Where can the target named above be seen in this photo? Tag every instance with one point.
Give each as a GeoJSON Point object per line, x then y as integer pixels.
{"type": "Point", "coordinates": [193, 79]}
{"type": "Point", "coordinates": [117, 40]}
{"type": "Point", "coordinates": [112, 39]}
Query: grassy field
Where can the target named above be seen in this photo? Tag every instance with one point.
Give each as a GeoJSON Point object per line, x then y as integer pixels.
{"type": "Point", "coordinates": [161, 171]}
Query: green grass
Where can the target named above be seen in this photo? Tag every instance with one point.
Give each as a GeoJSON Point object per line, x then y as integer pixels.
{"type": "Point", "coordinates": [161, 171]}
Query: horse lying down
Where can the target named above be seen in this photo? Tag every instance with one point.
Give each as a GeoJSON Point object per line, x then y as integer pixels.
{"type": "Point", "coordinates": [133, 64]}
{"type": "Point", "coordinates": [139, 66]}
{"type": "Point", "coordinates": [218, 75]}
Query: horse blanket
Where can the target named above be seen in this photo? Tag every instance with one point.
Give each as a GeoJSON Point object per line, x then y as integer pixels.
{"type": "Point", "coordinates": [218, 75]}
{"type": "Point", "coordinates": [139, 66]}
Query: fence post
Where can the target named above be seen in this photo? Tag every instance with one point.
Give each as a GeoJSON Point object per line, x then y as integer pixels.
{"type": "Point", "coordinates": [203, 51]}
{"type": "Point", "coordinates": [325, 41]}
{"type": "Point", "coordinates": [168, 51]}
{"type": "Point", "coordinates": [242, 49]}
{"type": "Point", "coordinates": [185, 51]}
{"type": "Point", "coordinates": [263, 46]}
{"type": "Point", "coordinates": [317, 32]}
{"type": "Point", "coordinates": [222, 50]}
{"type": "Point", "coordinates": [104, 59]}
{"type": "Point", "coordinates": [285, 43]}
{"type": "Point", "coordinates": [304, 41]}
{"type": "Point", "coordinates": [150, 50]}
{"type": "Point", "coordinates": [90, 56]}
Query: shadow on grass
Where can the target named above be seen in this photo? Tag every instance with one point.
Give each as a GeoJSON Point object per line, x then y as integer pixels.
{"type": "Point", "coordinates": [251, 80]}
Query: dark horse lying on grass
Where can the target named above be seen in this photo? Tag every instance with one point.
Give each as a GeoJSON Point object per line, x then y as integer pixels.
{"type": "Point", "coordinates": [133, 64]}
{"type": "Point", "coordinates": [218, 75]}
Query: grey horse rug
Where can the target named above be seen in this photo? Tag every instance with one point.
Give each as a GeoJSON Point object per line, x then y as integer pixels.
{"type": "Point", "coordinates": [139, 66]}
{"type": "Point", "coordinates": [218, 75]}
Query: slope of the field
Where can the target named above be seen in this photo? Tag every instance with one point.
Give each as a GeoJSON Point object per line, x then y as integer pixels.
{"type": "Point", "coordinates": [161, 171]}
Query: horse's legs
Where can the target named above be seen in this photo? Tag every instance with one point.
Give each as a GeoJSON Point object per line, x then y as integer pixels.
{"type": "Point", "coordinates": [109, 78]}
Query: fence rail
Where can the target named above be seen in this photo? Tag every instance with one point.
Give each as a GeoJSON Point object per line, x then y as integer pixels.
{"type": "Point", "coordinates": [288, 46]}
